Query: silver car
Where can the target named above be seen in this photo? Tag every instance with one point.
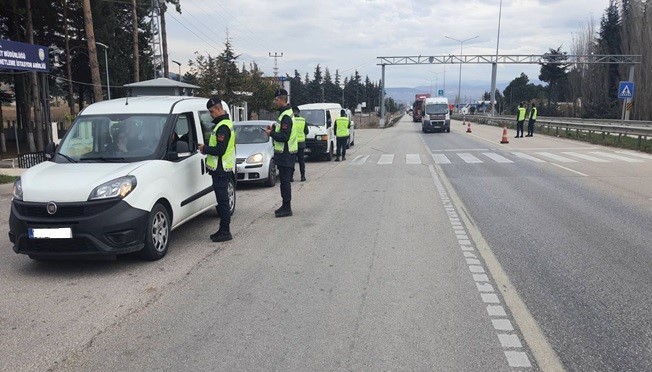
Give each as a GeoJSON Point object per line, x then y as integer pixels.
{"type": "Point", "coordinates": [254, 152]}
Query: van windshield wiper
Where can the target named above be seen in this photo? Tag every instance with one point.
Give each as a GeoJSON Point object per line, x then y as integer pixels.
{"type": "Point", "coordinates": [104, 158]}
{"type": "Point", "coordinates": [68, 158]}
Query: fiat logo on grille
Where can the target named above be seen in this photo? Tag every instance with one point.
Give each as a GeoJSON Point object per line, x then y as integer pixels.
{"type": "Point", "coordinates": [51, 208]}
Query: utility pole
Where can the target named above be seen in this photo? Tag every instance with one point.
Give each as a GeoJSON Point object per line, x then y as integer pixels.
{"type": "Point", "coordinates": [276, 56]}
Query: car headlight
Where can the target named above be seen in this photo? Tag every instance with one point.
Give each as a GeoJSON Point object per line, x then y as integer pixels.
{"type": "Point", "coordinates": [18, 189]}
{"type": "Point", "coordinates": [255, 159]}
{"type": "Point", "coordinates": [322, 138]}
{"type": "Point", "coordinates": [117, 188]}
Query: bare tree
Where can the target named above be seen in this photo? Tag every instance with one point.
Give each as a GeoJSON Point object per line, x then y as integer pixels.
{"type": "Point", "coordinates": [92, 51]}
{"type": "Point", "coordinates": [34, 83]}
{"type": "Point", "coordinates": [71, 101]}
{"type": "Point", "coordinates": [134, 22]}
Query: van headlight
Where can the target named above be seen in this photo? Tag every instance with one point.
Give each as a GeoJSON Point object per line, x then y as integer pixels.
{"type": "Point", "coordinates": [18, 189]}
{"type": "Point", "coordinates": [255, 159]}
{"type": "Point", "coordinates": [322, 137]}
{"type": "Point", "coordinates": [117, 188]}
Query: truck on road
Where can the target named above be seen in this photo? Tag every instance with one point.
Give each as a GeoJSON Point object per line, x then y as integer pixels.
{"type": "Point", "coordinates": [417, 106]}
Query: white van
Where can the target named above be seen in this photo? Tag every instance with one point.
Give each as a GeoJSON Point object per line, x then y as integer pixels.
{"type": "Point", "coordinates": [436, 115]}
{"type": "Point", "coordinates": [125, 175]}
{"type": "Point", "coordinates": [319, 120]}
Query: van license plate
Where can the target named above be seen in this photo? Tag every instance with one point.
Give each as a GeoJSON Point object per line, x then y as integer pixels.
{"type": "Point", "coordinates": [56, 233]}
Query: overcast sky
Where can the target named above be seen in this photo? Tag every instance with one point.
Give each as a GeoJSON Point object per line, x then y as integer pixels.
{"type": "Point", "coordinates": [349, 35]}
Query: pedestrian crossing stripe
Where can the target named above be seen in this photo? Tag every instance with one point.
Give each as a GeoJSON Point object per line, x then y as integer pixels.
{"type": "Point", "coordinates": [488, 157]}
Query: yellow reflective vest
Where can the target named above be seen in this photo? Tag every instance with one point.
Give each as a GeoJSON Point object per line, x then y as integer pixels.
{"type": "Point", "coordinates": [228, 159]}
{"type": "Point", "coordinates": [533, 113]}
{"type": "Point", "coordinates": [521, 113]}
{"type": "Point", "coordinates": [342, 126]}
{"type": "Point", "coordinates": [299, 124]}
{"type": "Point", "coordinates": [293, 145]}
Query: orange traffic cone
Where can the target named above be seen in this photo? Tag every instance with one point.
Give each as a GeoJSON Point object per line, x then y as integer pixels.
{"type": "Point", "coordinates": [468, 129]}
{"type": "Point", "coordinates": [504, 140]}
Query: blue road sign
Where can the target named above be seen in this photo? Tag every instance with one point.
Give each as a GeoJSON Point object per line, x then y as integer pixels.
{"type": "Point", "coordinates": [626, 89]}
{"type": "Point", "coordinates": [440, 92]}
{"type": "Point", "coordinates": [21, 56]}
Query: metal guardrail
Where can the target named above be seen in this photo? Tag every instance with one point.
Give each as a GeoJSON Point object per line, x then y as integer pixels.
{"type": "Point", "coordinates": [642, 132]}
{"type": "Point", "coordinates": [636, 123]}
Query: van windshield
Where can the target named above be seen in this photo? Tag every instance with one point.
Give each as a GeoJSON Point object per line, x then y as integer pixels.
{"type": "Point", "coordinates": [314, 117]}
{"type": "Point", "coordinates": [118, 138]}
{"type": "Point", "coordinates": [436, 108]}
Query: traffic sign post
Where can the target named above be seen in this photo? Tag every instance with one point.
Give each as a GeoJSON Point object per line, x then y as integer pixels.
{"type": "Point", "coordinates": [626, 92]}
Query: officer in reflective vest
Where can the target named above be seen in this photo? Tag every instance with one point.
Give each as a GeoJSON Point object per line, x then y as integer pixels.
{"type": "Point", "coordinates": [520, 119]}
{"type": "Point", "coordinates": [220, 161]}
{"type": "Point", "coordinates": [533, 119]}
{"type": "Point", "coordinates": [342, 126]}
{"type": "Point", "coordinates": [285, 149]}
{"type": "Point", "coordinates": [301, 130]}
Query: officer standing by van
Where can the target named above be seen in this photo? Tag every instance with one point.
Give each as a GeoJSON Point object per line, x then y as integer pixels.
{"type": "Point", "coordinates": [301, 130]}
{"type": "Point", "coordinates": [220, 161]}
{"type": "Point", "coordinates": [520, 119]}
{"type": "Point", "coordinates": [533, 119]}
{"type": "Point", "coordinates": [342, 126]}
{"type": "Point", "coordinates": [285, 149]}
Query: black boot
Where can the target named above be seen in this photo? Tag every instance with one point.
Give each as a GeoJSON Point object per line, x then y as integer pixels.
{"type": "Point", "coordinates": [222, 235]}
{"type": "Point", "coordinates": [337, 158]}
{"type": "Point", "coordinates": [284, 211]}
{"type": "Point", "coordinates": [303, 178]}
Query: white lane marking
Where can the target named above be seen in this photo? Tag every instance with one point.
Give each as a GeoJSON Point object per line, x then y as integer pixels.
{"type": "Point", "coordinates": [469, 150]}
{"type": "Point", "coordinates": [412, 159]}
{"type": "Point", "coordinates": [570, 170]}
{"type": "Point", "coordinates": [496, 310]}
{"type": "Point", "coordinates": [484, 287]}
{"type": "Point", "coordinates": [518, 359]}
{"type": "Point", "coordinates": [556, 157]}
{"type": "Point", "coordinates": [497, 158]}
{"type": "Point", "coordinates": [509, 340]}
{"type": "Point", "coordinates": [528, 157]}
{"type": "Point", "coordinates": [490, 298]}
{"type": "Point", "coordinates": [502, 324]}
{"type": "Point", "coordinates": [440, 159]}
{"type": "Point", "coordinates": [587, 157]}
{"type": "Point", "coordinates": [617, 157]}
{"type": "Point", "coordinates": [386, 159]}
{"type": "Point", "coordinates": [644, 156]}
{"type": "Point", "coordinates": [468, 158]}
{"type": "Point", "coordinates": [360, 159]}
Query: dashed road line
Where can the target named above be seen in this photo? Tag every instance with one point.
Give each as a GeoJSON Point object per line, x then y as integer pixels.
{"type": "Point", "coordinates": [506, 331]}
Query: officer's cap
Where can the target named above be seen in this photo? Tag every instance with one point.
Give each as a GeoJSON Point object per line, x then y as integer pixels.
{"type": "Point", "coordinates": [214, 100]}
{"type": "Point", "coordinates": [280, 92]}
{"type": "Point", "coordinates": [296, 109]}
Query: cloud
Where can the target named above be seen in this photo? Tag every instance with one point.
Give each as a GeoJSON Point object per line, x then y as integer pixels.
{"type": "Point", "coordinates": [348, 35]}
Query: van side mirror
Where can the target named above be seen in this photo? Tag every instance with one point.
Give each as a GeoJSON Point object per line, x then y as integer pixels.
{"type": "Point", "coordinates": [50, 149]}
{"type": "Point", "coordinates": [178, 150]}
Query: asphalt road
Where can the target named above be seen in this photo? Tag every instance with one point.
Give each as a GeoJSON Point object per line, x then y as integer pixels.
{"type": "Point", "coordinates": [393, 259]}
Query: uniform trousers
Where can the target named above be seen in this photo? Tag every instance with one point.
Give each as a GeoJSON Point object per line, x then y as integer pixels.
{"type": "Point", "coordinates": [519, 128]}
{"type": "Point", "coordinates": [341, 146]}
{"type": "Point", "coordinates": [220, 186]}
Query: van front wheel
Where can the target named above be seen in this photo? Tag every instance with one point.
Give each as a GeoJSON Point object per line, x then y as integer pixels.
{"type": "Point", "coordinates": [329, 155]}
{"type": "Point", "coordinates": [157, 236]}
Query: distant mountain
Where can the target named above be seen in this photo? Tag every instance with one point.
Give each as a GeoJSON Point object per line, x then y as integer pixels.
{"type": "Point", "coordinates": [471, 91]}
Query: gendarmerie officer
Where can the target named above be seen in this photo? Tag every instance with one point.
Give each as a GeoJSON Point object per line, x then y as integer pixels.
{"type": "Point", "coordinates": [285, 149]}
{"type": "Point", "coordinates": [301, 128]}
{"type": "Point", "coordinates": [220, 161]}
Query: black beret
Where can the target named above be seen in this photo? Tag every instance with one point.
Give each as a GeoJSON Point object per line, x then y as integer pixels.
{"type": "Point", "coordinates": [214, 100]}
{"type": "Point", "coordinates": [296, 108]}
{"type": "Point", "coordinates": [280, 92]}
